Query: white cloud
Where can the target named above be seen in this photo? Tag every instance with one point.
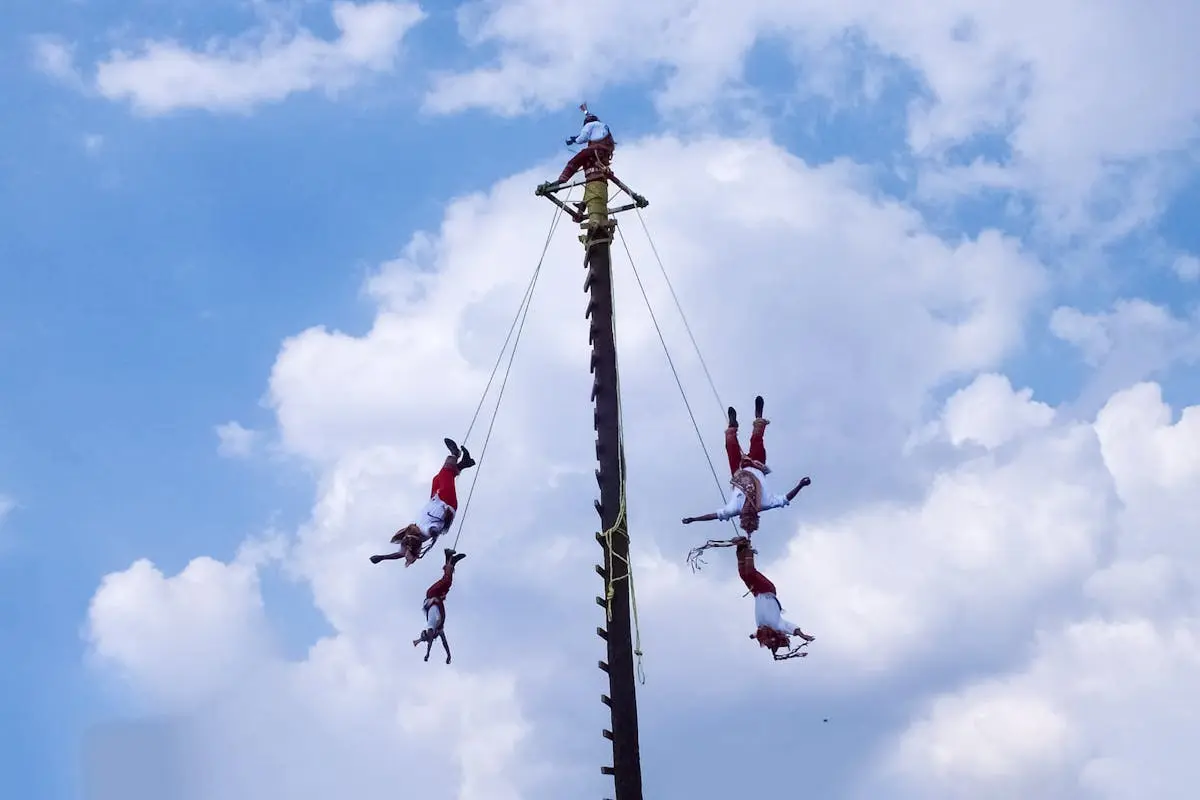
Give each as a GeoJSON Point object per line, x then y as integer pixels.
{"type": "Point", "coordinates": [1102, 711]}
{"type": "Point", "coordinates": [990, 413]}
{"type": "Point", "coordinates": [7, 504]}
{"type": "Point", "coordinates": [55, 58]}
{"type": "Point", "coordinates": [1081, 104]}
{"type": "Point", "coordinates": [262, 67]}
{"type": "Point", "coordinates": [1134, 341]}
{"type": "Point", "coordinates": [1187, 267]}
{"type": "Point", "coordinates": [839, 408]}
{"type": "Point", "coordinates": [349, 719]}
{"type": "Point", "coordinates": [234, 441]}
{"type": "Point", "coordinates": [179, 639]}
{"type": "Point", "coordinates": [1101, 708]}
{"type": "Point", "coordinates": [900, 566]}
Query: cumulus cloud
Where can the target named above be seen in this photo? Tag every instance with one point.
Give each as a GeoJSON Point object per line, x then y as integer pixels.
{"type": "Point", "coordinates": [235, 441]}
{"type": "Point", "coordinates": [1084, 109]}
{"type": "Point", "coordinates": [1099, 710]}
{"type": "Point", "coordinates": [179, 638]}
{"type": "Point", "coordinates": [900, 563]}
{"type": "Point", "coordinates": [262, 67]}
{"type": "Point", "coordinates": [990, 413]}
{"type": "Point", "coordinates": [1187, 267]}
{"type": "Point", "coordinates": [55, 58]}
{"type": "Point", "coordinates": [840, 406]}
{"type": "Point", "coordinates": [1133, 341]}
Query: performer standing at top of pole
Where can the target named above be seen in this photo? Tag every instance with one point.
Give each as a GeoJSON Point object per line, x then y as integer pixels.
{"type": "Point", "coordinates": [597, 139]}
{"type": "Point", "coordinates": [594, 159]}
{"type": "Point", "coordinates": [749, 471]}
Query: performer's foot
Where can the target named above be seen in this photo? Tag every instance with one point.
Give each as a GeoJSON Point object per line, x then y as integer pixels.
{"type": "Point", "coordinates": [732, 417]}
{"type": "Point", "coordinates": [758, 407]}
{"type": "Point", "coordinates": [376, 559]}
{"type": "Point", "coordinates": [457, 557]}
{"type": "Point", "coordinates": [465, 462]}
{"type": "Point", "coordinates": [452, 447]}
{"type": "Point", "coordinates": [804, 635]}
{"type": "Point", "coordinates": [449, 551]}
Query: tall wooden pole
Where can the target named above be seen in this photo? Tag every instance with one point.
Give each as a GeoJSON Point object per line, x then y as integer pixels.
{"type": "Point", "coordinates": [621, 699]}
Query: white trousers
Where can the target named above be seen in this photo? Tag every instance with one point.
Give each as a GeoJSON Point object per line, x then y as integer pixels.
{"type": "Point", "coordinates": [433, 617]}
{"type": "Point", "coordinates": [768, 612]}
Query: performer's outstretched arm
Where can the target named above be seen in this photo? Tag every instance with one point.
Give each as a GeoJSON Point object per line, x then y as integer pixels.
{"type": "Point", "coordinates": [805, 481]}
{"type": "Point", "coordinates": [731, 510]}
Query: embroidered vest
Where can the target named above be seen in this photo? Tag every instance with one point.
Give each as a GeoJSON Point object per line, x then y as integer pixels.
{"type": "Point", "coordinates": [750, 486]}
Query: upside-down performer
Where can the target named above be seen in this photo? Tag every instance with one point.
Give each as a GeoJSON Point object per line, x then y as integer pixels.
{"type": "Point", "coordinates": [435, 606]}
{"type": "Point", "coordinates": [435, 518]}
{"type": "Point", "coordinates": [748, 471]}
{"type": "Point", "coordinates": [774, 632]}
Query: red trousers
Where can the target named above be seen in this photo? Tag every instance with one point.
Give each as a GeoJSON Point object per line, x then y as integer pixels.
{"type": "Point", "coordinates": [733, 448]}
{"type": "Point", "coordinates": [755, 581]}
{"type": "Point", "coordinates": [591, 156]}
{"type": "Point", "coordinates": [441, 587]}
{"type": "Point", "coordinates": [443, 486]}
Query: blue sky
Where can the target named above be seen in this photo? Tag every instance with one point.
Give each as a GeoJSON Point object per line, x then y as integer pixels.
{"type": "Point", "coordinates": [151, 266]}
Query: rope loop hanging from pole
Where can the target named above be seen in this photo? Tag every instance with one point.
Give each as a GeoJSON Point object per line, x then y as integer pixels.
{"type": "Point", "coordinates": [619, 526]}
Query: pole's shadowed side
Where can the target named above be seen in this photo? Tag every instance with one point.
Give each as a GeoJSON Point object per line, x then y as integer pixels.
{"type": "Point", "coordinates": [622, 693]}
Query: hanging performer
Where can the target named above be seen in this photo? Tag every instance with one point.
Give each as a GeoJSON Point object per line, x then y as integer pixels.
{"type": "Point", "coordinates": [438, 513]}
{"type": "Point", "coordinates": [435, 606]}
{"type": "Point", "coordinates": [749, 471]}
{"type": "Point", "coordinates": [774, 632]}
{"type": "Point", "coordinates": [594, 159]}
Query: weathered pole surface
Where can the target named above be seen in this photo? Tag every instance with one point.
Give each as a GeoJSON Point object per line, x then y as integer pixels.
{"type": "Point", "coordinates": [621, 699]}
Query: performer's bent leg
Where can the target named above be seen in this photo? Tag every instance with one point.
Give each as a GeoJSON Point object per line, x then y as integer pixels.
{"type": "Point", "coordinates": [755, 581]}
{"type": "Point", "coordinates": [576, 163]}
{"type": "Point", "coordinates": [441, 586]}
{"type": "Point", "coordinates": [443, 483]}
{"type": "Point", "coordinates": [733, 449]}
{"type": "Point", "coordinates": [758, 450]}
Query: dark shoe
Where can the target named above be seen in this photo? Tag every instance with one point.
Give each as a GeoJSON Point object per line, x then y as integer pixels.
{"type": "Point", "coordinates": [451, 446]}
{"type": "Point", "coordinates": [465, 461]}
{"type": "Point", "coordinates": [449, 551]}
{"type": "Point", "coordinates": [457, 558]}
{"type": "Point", "coordinates": [758, 407]}
{"type": "Point", "coordinates": [732, 417]}
{"type": "Point", "coordinates": [376, 559]}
